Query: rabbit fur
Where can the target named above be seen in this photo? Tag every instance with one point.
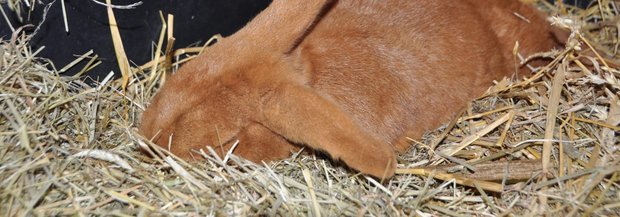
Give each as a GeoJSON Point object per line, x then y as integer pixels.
{"type": "Point", "coordinates": [346, 77]}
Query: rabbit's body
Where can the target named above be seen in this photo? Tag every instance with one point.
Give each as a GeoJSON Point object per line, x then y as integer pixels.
{"type": "Point", "coordinates": [404, 67]}
{"type": "Point", "coordinates": [352, 78]}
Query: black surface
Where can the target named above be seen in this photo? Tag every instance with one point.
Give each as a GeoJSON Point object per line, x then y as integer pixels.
{"type": "Point", "coordinates": [195, 21]}
{"type": "Point", "coordinates": [576, 3]}
{"type": "Point", "coordinates": [5, 30]}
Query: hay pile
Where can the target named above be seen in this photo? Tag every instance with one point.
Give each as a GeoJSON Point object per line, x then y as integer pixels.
{"type": "Point", "coordinates": [546, 145]}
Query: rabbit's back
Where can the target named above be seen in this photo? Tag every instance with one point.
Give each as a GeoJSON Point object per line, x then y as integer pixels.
{"type": "Point", "coordinates": [402, 67]}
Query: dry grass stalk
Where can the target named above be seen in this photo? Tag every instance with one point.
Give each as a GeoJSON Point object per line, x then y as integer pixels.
{"type": "Point", "coordinates": [119, 49]}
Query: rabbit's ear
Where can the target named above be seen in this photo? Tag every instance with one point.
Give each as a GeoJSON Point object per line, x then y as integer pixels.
{"type": "Point", "coordinates": [282, 25]}
{"type": "Point", "coordinates": [303, 116]}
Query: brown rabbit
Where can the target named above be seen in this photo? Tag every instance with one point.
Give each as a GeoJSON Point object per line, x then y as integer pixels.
{"type": "Point", "coordinates": [351, 78]}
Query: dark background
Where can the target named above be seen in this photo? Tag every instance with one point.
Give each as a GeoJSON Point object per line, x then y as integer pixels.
{"type": "Point", "coordinates": [195, 21]}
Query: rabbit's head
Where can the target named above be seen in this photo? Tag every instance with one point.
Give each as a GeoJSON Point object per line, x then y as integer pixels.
{"type": "Point", "coordinates": [254, 82]}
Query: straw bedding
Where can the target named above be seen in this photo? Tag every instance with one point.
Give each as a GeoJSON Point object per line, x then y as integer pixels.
{"type": "Point", "coordinates": [544, 145]}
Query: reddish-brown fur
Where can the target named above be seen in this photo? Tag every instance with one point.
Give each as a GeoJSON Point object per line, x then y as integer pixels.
{"type": "Point", "coordinates": [351, 78]}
